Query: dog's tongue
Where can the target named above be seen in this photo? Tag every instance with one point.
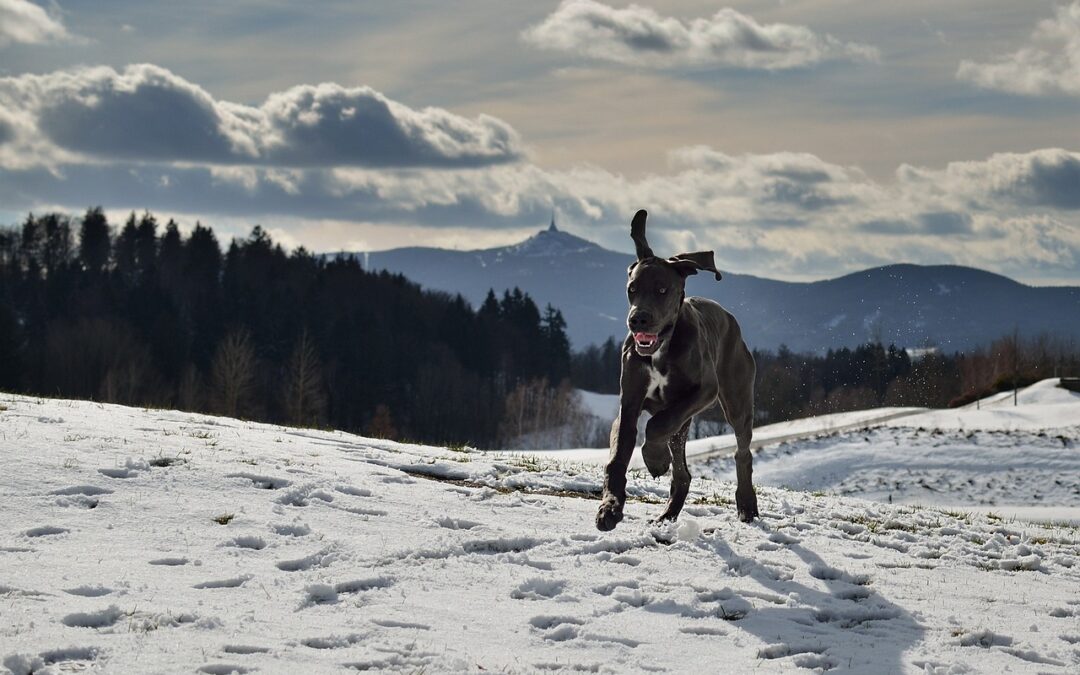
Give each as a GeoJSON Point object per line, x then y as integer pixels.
{"type": "Point", "coordinates": [645, 337]}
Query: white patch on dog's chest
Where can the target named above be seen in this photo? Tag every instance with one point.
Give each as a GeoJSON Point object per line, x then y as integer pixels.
{"type": "Point", "coordinates": [657, 382]}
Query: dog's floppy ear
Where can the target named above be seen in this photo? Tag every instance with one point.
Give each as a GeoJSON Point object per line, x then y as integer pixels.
{"type": "Point", "coordinates": [689, 263]}
{"type": "Point", "coordinates": [637, 233]}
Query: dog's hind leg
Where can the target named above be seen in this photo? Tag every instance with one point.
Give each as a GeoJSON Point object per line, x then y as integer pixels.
{"type": "Point", "coordinates": [680, 474]}
{"type": "Point", "coordinates": [737, 400]}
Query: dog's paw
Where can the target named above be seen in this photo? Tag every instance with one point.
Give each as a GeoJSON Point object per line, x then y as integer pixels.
{"type": "Point", "coordinates": [609, 515]}
{"type": "Point", "coordinates": [746, 505]}
{"type": "Point", "coordinates": [664, 518]}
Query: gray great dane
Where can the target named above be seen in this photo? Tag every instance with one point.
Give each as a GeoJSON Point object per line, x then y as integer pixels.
{"type": "Point", "coordinates": [681, 356]}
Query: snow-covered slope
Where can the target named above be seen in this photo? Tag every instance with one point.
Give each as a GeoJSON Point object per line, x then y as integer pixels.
{"type": "Point", "coordinates": [157, 541]}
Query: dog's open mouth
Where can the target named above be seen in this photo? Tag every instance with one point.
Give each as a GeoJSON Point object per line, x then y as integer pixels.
{"type": "Point", "coordinates": [646, 343]}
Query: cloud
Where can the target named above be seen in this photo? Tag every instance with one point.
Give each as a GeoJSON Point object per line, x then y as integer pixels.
{"type": "Point", "coordinates": [147, 113]}
{"type": "Point", "coordinates": [1050, 65]}
{"type": "Point", "coordinates": [946, 223]}
{"type": "Point", "coordinates": [1011, 212]}
{"type": "Point", "coordinates": [26, 23]}
{"type": "Point", "coordinates": [640, 36]}
{"type": "Point", "coordinates": [1046, 178]}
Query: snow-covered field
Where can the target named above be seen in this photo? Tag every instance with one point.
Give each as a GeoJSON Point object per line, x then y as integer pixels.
{"type": "Point", "coordinates": [1021, 461]}
{"type": "Point", "coordinates": [157, 541]}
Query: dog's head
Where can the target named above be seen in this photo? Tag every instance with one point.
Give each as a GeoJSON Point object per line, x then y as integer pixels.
{"type": "Point", "coordinates": [656, 289]}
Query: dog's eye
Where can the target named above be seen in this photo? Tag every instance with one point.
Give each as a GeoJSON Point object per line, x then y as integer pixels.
{"type": "Point", "coordinates": [663, 290]}
{"type": "Point", "coordinates": [632, 288]}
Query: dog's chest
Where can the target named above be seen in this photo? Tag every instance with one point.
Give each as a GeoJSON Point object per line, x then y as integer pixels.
{"type": "Point", "coordinates": [657, 382]}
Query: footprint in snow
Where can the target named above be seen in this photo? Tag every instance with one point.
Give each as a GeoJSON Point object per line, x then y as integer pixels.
{"type": "Point", "coordinates": [45, 531]}
{"type": "Point", "coordinates": [100, 619]}
{"type": "Point", "coordinates": [358, 585]}
{"type": "Point", "coordinates": [260, 481]}
{"type": "Point", "coordinates": [538, 589]}
{"type": "Point", "coordinates": [66, 655]}
{"type": "Point", "coordinates": [354, 491]}
{"type": "Point", "coordinates": [250, 542]}
{"type": "Point", "coordinates": [118, 473]}
{"type": "Point", "coordinates": [234, 582]}
{"type": "Point", "coordinates": [295, 530]}
{"type": "Point", "coordinates": [84, 490]}
{"type": "Point", "coordinates": [320, 559]}
{"type": "Point", "coordinates": [326, 594]}
{"type": "Point", "coordinates": [392, 623]}
{"type": "Point", "coordinates": [702, 630]}
{"type": "Point", "coordinates": [781, 650]}
{"type": "Point", "coordinates": [88, 591]}
{"type": "Point", "coordinates": [984, 639]}
{"type": "Point", "coordinates": [332, 641]}
{"type": "Point", "coordinates": [556, 628]}
{"type": "Point", "coordinates": [77, 502]}
{"type": "Point", "coordinates": [456, 523]}
{"type": "Point", "coordinates": [66, 658]}
{"type": "Point", "coordinates": [302, 496]}
{"type": "Point", "coordinates": [170, 562]}
{"type": "Point", "coordinates": [223, 669]}
{"type": "Point", "coordinates": [612, 639]}
{"type": "Point", "coordinates": [609, 588]}
{"type": "Point", "coordinates": [361, 511]}
{"type": "Point", "coordinates": [245, 649]}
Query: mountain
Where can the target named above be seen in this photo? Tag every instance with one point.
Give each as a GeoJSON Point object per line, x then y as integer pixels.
{"type": "Point", "coordinates": [948, 306]}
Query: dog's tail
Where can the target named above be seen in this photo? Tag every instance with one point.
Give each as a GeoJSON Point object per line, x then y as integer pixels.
{"type": "Point", "coordinates": [637, 233]}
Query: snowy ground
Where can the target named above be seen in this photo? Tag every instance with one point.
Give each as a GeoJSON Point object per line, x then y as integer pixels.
{"type": "Point", "coordinates": [157, 541]}
{"type": "Point", "coordinates": [1021, 461]}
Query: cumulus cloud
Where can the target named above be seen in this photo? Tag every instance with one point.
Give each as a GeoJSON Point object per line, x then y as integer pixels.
{"type": "Point", "coordinates": [26, 23]}
{"type": "Point", "coordinates": [640, 36]}
{"type": "Point", "coordinates": [1049, 65]}
{"type": "Point", "coordinates": [1046, 178]}
{"type": "Point", "coordinates": [148, 113]}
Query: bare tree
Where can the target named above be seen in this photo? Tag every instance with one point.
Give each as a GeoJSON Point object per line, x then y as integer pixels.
{"type": "Point", "coordinates": [381, 424]}
{"type": "Point", "coordinates": [189, 394]}
{"type": "Point", "coordinates": [304, 394]}
{"type": "Point", "coordinates": [537, 415]}
{"type": "Point", "coordinates": [233, 373]}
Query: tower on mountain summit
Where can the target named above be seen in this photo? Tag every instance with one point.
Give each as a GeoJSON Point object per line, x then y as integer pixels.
{"type": "Point", "coordinates": [552, 228]}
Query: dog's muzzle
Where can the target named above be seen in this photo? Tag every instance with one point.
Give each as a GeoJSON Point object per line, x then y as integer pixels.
{"type": "Point", "coordinates": [646, 344]}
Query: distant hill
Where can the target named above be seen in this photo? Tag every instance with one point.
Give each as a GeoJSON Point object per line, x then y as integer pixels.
{"type": "Point", "coordinates": [948, 306]}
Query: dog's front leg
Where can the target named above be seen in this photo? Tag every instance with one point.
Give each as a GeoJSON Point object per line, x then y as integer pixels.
{"type": "Point", "coordinates": [623, 439]}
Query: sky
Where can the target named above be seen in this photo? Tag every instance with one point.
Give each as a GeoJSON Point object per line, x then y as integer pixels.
{"type": "Point", "coordinates": [799, 139]}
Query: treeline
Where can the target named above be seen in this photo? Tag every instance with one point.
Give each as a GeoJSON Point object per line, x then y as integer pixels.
{"type": "Point", "coordinates": [791, 385]}
{"type": "Point", "coordinates": [144, 315]}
